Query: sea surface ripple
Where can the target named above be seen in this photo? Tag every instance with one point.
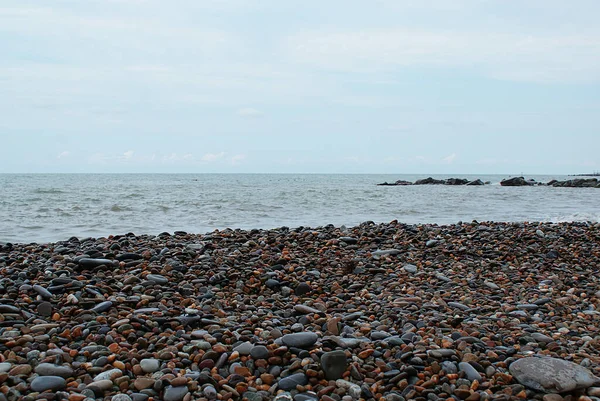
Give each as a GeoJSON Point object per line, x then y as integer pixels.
{"type": "Point", "coordinates": [53, 207]}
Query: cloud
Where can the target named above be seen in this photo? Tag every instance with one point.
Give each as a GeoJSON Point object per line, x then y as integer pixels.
{"type": "Point", "coordinates": [212, 157]}
{"type": "Point", "coordinates": [450, 158]}
{"type": "Point", "coordinates": [175, 158]}
{"type": "Point", "coordinates": [249, 112]}
{"type": "Point", "coordinates": [235, 160]}
{"type": "Point", "coordinates": [128, 155]}
{"type": "Point", "coordinates": [508, 56]}
{"type": "Point", "coordinates": [63, 154]}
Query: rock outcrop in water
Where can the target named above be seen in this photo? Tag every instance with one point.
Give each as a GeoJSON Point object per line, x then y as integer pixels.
{"type": "Point", "coordinates": [517, 182]}
{"type": "Point", "coordinates": [475, 311]}
{"type": "Point", "coordinates": [508, 182]}
{"type": "Point", "coordinates": [433, 181]}
{"type": "Point", "coordinates": [576, 183]}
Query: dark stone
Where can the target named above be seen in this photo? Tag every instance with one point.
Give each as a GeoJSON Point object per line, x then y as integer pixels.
{"type": "Point", "coordinates": [290, 382]}
{"type": "Point", "coordinates": [259, 352]}
{"type": "Point", "coordinates": [175, 393]}
{"type": "Point", "coordinates": [45, 309]}
{"type": "Point", "coordinates": [300, 340]}
{"type": "Point", "coordinates": [102, 307]}
{"type": "Point", "coordinates": [303, 289]}
{"type": "Point", "coordinates": [334, 364]}
{"type": "Point", "coordinates": [44, 293]}
{"type": "Point", "coordinates": [157, 278]}
{"type": "Point", "coordinates": [90, 263]}
{"type": "Point", "coordinates": [43, 383]}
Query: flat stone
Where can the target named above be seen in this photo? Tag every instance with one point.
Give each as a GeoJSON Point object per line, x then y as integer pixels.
{"type": "Point", "coordinates": [551, 375]}
{"type": "Point", "coordinates": [491, 285]}
{"type": "Point", "coordinates": [306, 310]}
{"type": "Point", "coordinates": [410, 268]}
{"type": "Point", "coordinates": [49, 369]}
{"type": "Point", "coordinates": [458, 305]}
{"type": "Point", "coordinates": [142, 383]}
{"type": "Point", "coordinates": [111, 374]}
{"type": "Point", "coordinates": [470, 371]}
{"type": "Point", "coordinates": [244, 348]}
{"type": "Point", "coordinates": [386, 252]}
{"type": "Point", "coordinates": [157, 278]}
{"type": "Point", "coordinates": [349, 240]}
{"type": "Point", "coordinates": [100, 386]}
{"type": "Point", "coordinates": [541, 338]}
{"type": "Point", "coordinates": [44, 293]}
{"type": "Point", "coordinates": [441, 353]}
{"type": "Point", "coordinates": [102, 307]}
{"type": "Point", "coordinates": [139, 397]}
{"type": "Point", "coordinates": [5, 367]}
{"type": "Point", "coordinates": [120, 397]}
{"type": "Point", "coordinates": [528, 306]}
{"type": "Point", "coordinates": [20, 370]}
{"type": "Point", "coordinates": [9, 309]}
{"type": "Point", "coordinates": [88, 263]}
{"type": "Point", "coordinates": [300, 340]}
{"type": "Point", "coordinates": [290, 382]}
{"type": "Point", "coordinates": [175, 393]}
{"type": "Point", "coordinates": [43, 383]}
{"type": "Point", "coordinates": [305, 397]}
{"type": "Point", "coordinates": [334, 364]}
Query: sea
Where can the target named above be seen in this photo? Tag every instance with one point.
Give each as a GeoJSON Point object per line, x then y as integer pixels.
{"type": "Point", "coordinates": [54, 207]}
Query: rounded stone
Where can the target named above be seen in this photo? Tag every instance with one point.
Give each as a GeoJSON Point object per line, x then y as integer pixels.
{"type": "Point", "coordinates": [45, 309]}
{"type": "Point", "coordinates": [259, 352]}
{"type": "Point", "coordinates": [334, 364]}
{"type": "Point", "coordinates": [150, 365]}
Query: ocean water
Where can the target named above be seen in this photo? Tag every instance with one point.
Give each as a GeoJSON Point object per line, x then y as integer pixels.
{"type": "Point", "coordinates": [54, 207]}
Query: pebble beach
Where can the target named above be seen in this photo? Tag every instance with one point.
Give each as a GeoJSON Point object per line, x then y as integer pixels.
{"type": "Point", "coordinates": [468, 311]}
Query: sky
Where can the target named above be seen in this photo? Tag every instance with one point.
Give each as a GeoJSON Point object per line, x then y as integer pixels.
{"type": "Point", "coordinates": [271, 86]}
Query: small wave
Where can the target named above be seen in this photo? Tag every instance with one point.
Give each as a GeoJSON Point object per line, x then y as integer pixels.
{"type": "Point", "coordinates": [575, 217]}
{"type": "Point", "coordinates": [47, 191]}
{"type": "Point", "coordinates": [164, 208]}
{"type": "Point", "coordinates": [43, 209]}
{"type": "Point", "coordinates": [134, 195]}
{"type": "Point", "coordinates": [117, 208]}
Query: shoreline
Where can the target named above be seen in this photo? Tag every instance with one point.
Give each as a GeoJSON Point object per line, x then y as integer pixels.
{"type": "Point", "coordinates": [378, 310]}
{"type": "Point", "coordinates": [341, 227]}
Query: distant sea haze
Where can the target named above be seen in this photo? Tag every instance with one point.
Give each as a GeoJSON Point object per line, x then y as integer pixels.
{"type": "Point", "coordinates": [54, 207]}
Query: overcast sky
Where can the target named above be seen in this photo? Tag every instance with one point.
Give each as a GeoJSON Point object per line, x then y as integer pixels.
{"type": "Point", "coordinates": [378, 86]}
